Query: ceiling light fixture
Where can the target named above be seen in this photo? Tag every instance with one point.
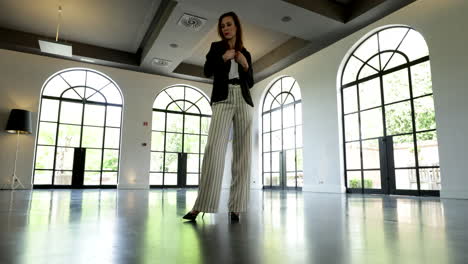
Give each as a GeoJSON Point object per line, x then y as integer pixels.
{"type": "Point", "coordinates": [161, 62]}
{"type": "Point", "coordinates": [56, 47]}
{"type": "Point", "coordinates": [87, 60]}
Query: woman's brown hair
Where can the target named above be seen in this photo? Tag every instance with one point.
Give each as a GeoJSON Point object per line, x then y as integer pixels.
{"type": "Point", "coordinates": [239, 43]}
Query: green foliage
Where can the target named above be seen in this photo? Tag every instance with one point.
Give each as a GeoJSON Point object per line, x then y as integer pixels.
{"type": "Point", "coordinates": [44, 157]}
{"type": "Point", "coordinates": [355, 183]}
{"type": "Point", "coordinates": [368, 183]}
{"type": "Point", "coordinates": [205, 125]}
{"type": "Point", "coordinates": [172, 142]}
{"type": "Point", "coordinates": [398, 120]}
{"type": "Point", "coordinates": [421, 77]}
{"type": "Point", "coordinates": [47, 133]}
{"type": "Point", "coordinates": [299, 159]}
{"type": "Point", "coordinates": [69, 136]}
{"type": "Point", "coordinates": [426, 119]}
{"type": "Point", "coordinates": [427, 136]}
{"type": "Point", "coordinates": [111, 163]}
{"type": "Point", "coordinates": [398, 117]}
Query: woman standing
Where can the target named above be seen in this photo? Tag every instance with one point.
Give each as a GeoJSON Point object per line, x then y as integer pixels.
{"type": "Point", "coordinates": [230, 65]}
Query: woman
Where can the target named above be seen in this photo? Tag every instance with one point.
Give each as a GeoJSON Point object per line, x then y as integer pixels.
{"type": "Point", "coordinates": [230, 65]}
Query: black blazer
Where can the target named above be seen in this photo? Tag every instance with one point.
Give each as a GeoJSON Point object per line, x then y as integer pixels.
{"type": "Point", "coordinates": [215, 66]}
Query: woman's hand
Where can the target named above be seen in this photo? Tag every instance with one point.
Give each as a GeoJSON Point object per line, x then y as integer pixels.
{"type": "Point", "coordinates": [229, 54]}
{"type": "Point", "coordinates": [240, 58]}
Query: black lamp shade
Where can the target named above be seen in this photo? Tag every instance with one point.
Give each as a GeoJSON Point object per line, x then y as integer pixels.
{"type": "Point", "coordinates": [19, 122]}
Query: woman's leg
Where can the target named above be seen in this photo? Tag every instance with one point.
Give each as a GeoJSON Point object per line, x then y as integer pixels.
{"type": "Point", "coordinates": [211, 177]}
{"type": "Point", "coordinates": [242, 142]}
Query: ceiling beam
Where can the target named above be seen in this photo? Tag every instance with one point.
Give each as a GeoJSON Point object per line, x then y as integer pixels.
{"type": "Point", "coordinates": [316, 45]}
{"type": "Point", "coordinates": [260, 66]}
{"type": "Point", "coordinates": [327, 8]}
{"type": "Point", "coordinates": [335, 10]}
{"type": "Point", "coordinates": [291, 46]}
{"type": "Point", "coordinates": [189, 69]}
{"type": "Point", "coordinates": [28, 42]}
{"type": "Point", "coordinates": [160, 18]}
{"type": "Point", "coordinates": [362, 6]}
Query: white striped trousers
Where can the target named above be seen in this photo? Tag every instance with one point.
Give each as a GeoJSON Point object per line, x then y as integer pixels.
{"type": "Point", "coordinates": [234, 110]}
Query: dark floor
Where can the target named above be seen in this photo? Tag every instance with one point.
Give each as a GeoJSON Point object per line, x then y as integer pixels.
{"type": "Point", "coordinates": [110, 226]}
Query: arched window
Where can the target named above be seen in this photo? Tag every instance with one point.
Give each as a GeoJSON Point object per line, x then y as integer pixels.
{"type": "Point", "coordinates": [390, 138]}
{"type": "Point", "coordinates": [181, 119]}
{"type": "Point", "coordinates": [282, 135]}
{"type": "Point", "coordinates": [78, 141]}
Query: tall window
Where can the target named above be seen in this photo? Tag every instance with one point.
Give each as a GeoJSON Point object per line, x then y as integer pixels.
{"type": "Point", "coordinates": [79, 130]}
{"type": "Point", "coordinates": [181, 119]}
{"type": "Point", "coordinates": [387, 101]}
{"type": "Point", "coordinates": [282, 135]}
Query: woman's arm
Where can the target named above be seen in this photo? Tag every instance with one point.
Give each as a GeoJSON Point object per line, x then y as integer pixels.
{"type": "Point", "coordinates": [248, 75]}
{"type": "Point", "coordinates": [213, 61]}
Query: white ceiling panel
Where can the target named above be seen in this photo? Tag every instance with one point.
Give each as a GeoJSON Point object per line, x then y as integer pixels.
{"type": "Point", "coordinates": [268, 13]}
{"type": "Point", "coordinates": [115, 24]}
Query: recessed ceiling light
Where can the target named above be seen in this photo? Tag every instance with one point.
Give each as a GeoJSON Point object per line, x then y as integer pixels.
{"type": "Point", "coordinates": [173, 45]}
{"type": "Point", "coordinates": [286, 19]}
{"type": "Point", "coordinates": [87, 60]}
{"type": "Point", "coordinates": [161, 62]}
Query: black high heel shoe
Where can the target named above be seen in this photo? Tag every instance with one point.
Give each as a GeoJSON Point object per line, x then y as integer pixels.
{"type": "Point", "coordinates": [234, 217]}
{"type": "Point", "coordinates": [192, 216]}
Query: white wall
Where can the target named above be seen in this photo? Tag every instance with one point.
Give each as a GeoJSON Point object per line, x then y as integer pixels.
{"type": "Point", "coordinates": [443, 24]}
{"type": "Point", "coordinates": [22, 77]}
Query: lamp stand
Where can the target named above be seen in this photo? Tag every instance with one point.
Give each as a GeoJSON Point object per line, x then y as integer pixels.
{"type": "Point", "coordinates": [15, 181]}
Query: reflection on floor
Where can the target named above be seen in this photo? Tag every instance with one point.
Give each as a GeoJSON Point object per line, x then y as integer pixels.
{"type": "Point", "coordinates": [110, 226]}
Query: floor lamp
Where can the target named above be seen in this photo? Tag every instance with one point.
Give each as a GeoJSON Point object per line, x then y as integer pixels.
{"type": "Point", "coordinates": [19, 122]}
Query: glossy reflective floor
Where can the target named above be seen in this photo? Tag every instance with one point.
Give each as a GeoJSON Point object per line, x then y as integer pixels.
{"type": "Point", "coordinates": [111, 226]}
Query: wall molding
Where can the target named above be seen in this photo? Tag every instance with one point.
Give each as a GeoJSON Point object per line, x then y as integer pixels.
{"type": "Point", "coordinates": [133, 187]}
{"type": "Point", "coordinates": [453, 194]}
{"type": "Point", "coordinates": [324, 188]}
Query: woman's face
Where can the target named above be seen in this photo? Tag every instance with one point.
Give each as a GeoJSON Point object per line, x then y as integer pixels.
{"type": "Point", "coordinates": [228, 27]}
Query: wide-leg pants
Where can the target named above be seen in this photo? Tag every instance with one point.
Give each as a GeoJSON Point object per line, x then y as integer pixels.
{"type": "Point", "coordinates": [234, 110]}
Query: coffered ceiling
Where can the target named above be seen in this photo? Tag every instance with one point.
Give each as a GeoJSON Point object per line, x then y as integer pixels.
{"type": "Point", "coordinates": [153, 36]}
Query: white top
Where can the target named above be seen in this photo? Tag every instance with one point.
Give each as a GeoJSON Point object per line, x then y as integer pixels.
{"type": "Point", "coordinates": [234, 71]}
